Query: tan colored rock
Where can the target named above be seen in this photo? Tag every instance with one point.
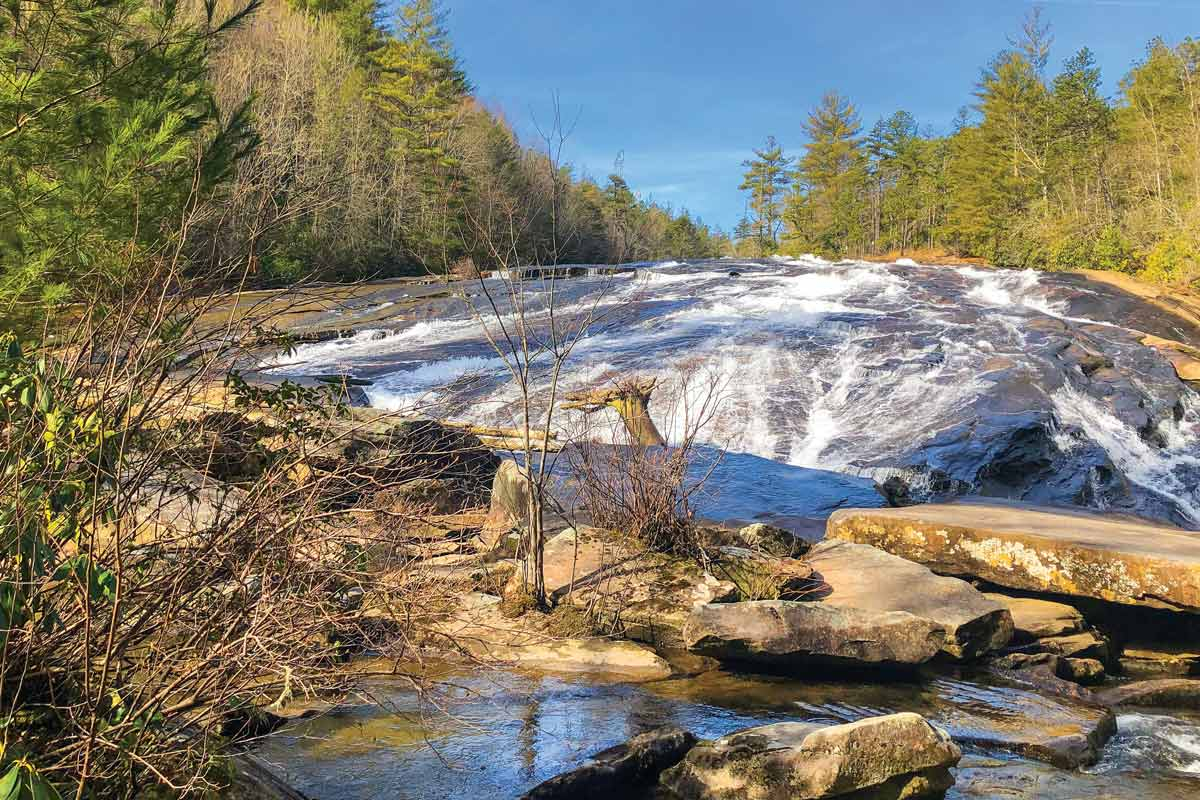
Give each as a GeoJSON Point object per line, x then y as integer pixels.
{"type": "Point", "coordinates": [889, 757]}
{"type": "Point", "coordinates": [595, 655]}
{"type": "Point", "coordinates": [1166, 692]}
{"type": "Point", "coordinates": [1034, 618]}
{"type": "Point", "coordinates": [1078, 645]}
{"type": "Point", "coordinates": [508, 508]}
{"type": "Point", "coordinates": [866, 578]}
{"type": "Point", "coordinates": [785, 633]}
{"type": "Point", "coordinates": [1184, 358]}
{"type": "Point", "coordinates": [1026, 547]}
{"type": "Point", "coordinates": [1144, 662]}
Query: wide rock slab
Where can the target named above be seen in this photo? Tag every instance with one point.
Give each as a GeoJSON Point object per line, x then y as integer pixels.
{"type": "Point", "coordinates": [894, 756]}
{"type": "Point", "coordinates": [1038, 549]}
{"type": "Point", "coordinates": [866, 578]}
{"type": "Point", "coordinates": [786, 633]}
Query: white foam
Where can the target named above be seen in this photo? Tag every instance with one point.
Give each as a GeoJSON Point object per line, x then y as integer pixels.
{"type": "Point", "coordinates": [406, 389]}
{"type": "Point", "coordinates": [1152, 468]}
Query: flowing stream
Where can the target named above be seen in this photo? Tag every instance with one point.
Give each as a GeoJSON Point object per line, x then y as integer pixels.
{"type": "Point", "coordinates": [833, 377]}
{"type": "Point", "coordinates": [496, 735]}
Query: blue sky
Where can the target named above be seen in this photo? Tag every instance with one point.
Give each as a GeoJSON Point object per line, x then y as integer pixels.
{"type": "Point", "coordinates": [684, 88]}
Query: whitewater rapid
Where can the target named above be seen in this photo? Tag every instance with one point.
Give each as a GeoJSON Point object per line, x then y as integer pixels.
{"type": "Point", "coordinates": [953, 380]}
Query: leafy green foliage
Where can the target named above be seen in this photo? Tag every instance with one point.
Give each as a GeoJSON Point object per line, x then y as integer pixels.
{"type": "Point", "coordinates": [1040, 172]}
{"type": "Point", "coordinates": [103, 108]}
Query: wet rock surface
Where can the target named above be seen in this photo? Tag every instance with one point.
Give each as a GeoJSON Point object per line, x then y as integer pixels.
{"type": "Point", "coordinates": [1046, 550]}
{"type": "Point", "coordinates": [930, 381]}
{"type": "Point", "coordinates": [621, 770]}
{"type": "Point", "coordinates": [866, 578]}
{"type": "Point", "coordinates": [894, 756]}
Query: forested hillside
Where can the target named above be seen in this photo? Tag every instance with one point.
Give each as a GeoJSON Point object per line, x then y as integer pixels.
{"type": "Point", "coordinates": [1041, 170]}
{"type": "Point", "coordinates": [376, 158]}
{"type": "Point", "coordinates": [340, 140]}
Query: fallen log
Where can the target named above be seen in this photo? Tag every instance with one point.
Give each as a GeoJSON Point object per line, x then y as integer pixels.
{"type": "Point", "coordinates": [630, 398]}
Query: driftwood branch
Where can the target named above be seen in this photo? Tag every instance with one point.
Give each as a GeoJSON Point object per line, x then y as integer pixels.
{"type": "Point", "coordinates": [631, 398]}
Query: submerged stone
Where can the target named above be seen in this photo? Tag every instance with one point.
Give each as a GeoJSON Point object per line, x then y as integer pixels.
{"type": "Point", "coordinates": [1165, 692]}
{"type": "Point", "coordinates": [1038, 549]}
{"type": "Point", "coordinates": [894, 756]}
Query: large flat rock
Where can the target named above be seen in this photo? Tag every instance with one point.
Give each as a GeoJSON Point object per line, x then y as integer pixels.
{"type": "Point", "coordinates": [864, 577]}
{"type": "Point", "coordinates": [887, 757]}
{"type": "Point", "coordinates": [784, 633]}
{"type": "Point", "coordinates": [1038, 549]}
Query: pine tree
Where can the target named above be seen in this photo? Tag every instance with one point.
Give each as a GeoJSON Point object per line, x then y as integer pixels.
{"type": "Point", "coordinates": [766, 178]}
{"type": "Point", "coordinates": [826, 208]}
{"type": "Point", "coordinates": [420, 92]}
{"type": "Point", "coordinates": [103, 110]}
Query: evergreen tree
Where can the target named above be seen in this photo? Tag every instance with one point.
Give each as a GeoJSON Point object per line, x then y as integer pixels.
{"type": "Point", "coordinates": [766, 178]}
{"type": "Point", "coordinates": [420, 92]}
{"type": "Point", "coordinates": [826, 208]}
{"type": "Point", "coordinates": [359, 22]}
{"type": "Point", "coordinates": [103, 110]}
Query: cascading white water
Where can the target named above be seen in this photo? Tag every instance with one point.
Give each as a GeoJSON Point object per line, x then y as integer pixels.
{"type": "Point", "coordinates": [854, 367]}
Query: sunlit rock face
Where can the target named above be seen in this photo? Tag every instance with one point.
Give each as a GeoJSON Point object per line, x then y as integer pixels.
{"type": "Point", "coordinates": [932, 382]}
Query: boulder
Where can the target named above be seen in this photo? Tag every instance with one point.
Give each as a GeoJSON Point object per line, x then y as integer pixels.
{"type": "Point", "coordinates": [619, 771]}
{"type": "Point", "coordinates": [772, 540]}
{"type": "Point", "coordinates": [509, 504]}
{"type": "Point", "coordinates": [1165, 692]}
{"type": "Point", "coordinates": [1026, 547]}
{"type": "Point", "coordinates": [1034, 618]}
{"type": "Point", "coordinates": [866, 578]}
{"type": "Point", "coordinates": [893, 756]}
{"type": "Point", "coordinates": [786, 633]}
{"type": "Point", "coordinates": [645, 595]}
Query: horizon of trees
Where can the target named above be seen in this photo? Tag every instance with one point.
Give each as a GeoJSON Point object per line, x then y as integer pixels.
{"type": "Point", "coordinates": [377, 159]}
{"type": "Point", "coordinates": [1041, 171]}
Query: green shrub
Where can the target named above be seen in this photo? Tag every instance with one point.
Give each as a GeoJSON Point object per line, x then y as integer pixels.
{"type": "Point", "coordinates": [1112, 251]}
{"type": "Point", "coordinates": [1175, 259]}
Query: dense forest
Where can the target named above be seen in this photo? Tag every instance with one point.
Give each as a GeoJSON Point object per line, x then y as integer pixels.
{"type": "Point", "coordinates": [1040, 171]}
{"type": "Point", "coordinates": [340, 141]}
{"type": "Point", "coordinates": [375, 158]}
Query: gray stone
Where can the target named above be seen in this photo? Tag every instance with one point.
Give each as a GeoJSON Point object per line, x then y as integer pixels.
{"type": "Point", "coordinates": [889, 757]}
{"type": "Point", "coordinates": [781, 632]}
{"type": "Point", "coordinates": [621, 770]}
